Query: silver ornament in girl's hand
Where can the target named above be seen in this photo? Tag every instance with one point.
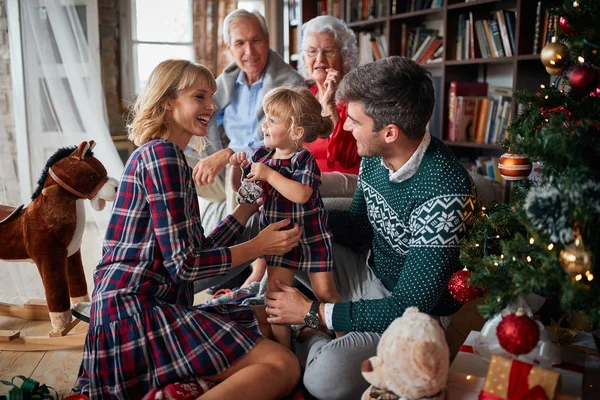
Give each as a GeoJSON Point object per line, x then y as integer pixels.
{"type": "Point", "coordinates": [249, 192]}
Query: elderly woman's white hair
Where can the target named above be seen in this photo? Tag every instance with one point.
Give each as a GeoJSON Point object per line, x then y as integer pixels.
{"type": "Point", "coordinates": [239, 15]}
{"type": "Point", "coordinates": [343, 35]}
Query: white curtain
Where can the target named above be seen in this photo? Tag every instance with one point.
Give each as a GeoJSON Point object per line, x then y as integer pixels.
{"type": "Point", "coordinates": [64, 106]}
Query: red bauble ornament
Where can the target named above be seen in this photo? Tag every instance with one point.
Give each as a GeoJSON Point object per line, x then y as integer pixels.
{"type": "Point", "coordinates": [517, 333]}
{"type": "Point", "coordinates": [459, 287]}
{"type": "Point", "coordinates": [565, 27]}
{"type": "Point", "coordinates": [514, 167]}
{"type": "Point", "coordinates": [583, 77]}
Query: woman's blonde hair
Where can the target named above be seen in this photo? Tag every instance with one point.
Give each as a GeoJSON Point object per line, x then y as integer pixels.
{"type": "Point", "coordinates": [147, 119]}
{"type": "Point", "coordinates": [302, 109]}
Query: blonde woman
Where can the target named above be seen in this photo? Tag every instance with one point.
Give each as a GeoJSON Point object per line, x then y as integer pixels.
{"type": "Point", "coordinates": [144, 332]}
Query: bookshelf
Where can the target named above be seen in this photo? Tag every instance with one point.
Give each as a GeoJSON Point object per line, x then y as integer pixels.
{"type": "Point", "coordinates": [521, 70]}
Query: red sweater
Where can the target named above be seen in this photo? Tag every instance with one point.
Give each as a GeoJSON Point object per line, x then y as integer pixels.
{"type": "Point", "coordinates": [338, 152]}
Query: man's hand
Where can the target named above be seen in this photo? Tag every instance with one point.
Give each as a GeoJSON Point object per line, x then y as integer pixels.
{"type": "Point", "coordinates": [288, 306]}
{"type": "Point", "coordinates": [208, 168]}
{"type": "Point", "coordinates": [260, 172]}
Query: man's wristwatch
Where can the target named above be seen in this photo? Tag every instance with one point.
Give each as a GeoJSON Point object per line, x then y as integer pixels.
{"type": "Point", "coordinates": [311, 319]}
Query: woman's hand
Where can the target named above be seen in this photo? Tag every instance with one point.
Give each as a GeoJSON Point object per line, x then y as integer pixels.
{"type": "Point", "coordinates": [260, 172]}
{"type": "Point", "coordinates": [238, 159]}
{"type": "Point", "coordinates": [274, 240]}
{"type": "Point", "coordinates": [208, 168]}
{"type": "Point", "coordinates": [288, 306]}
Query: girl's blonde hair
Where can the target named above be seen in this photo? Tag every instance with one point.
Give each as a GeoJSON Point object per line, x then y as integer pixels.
{"type": "Point", "coordinates": [302, 109]}
{"type": "Point", "coordinates": [147, 120]}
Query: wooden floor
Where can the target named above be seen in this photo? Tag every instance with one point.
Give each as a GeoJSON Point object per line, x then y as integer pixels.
{"type": "Point", "coordinates": [58, 368]}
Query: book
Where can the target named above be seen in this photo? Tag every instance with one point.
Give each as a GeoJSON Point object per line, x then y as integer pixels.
{"type": "Point", "coordinates": [471, 37]}
{"type": "Point", "coordinates": [504, 33]}
{"type": "Point", "coordinates": [465, 115]}
{"type": "Point", "coordinates": [510, 18]}
{"type": "Point", "coordinates": [536, 34]}
{"type": "Point", "coordinates": [461, 89]}
{"type": "Point", "coordinates": [481, 112]}
{"type": "Point", "coordinates": [496, 38]}
{"type": "Point", "coordinates": [481, 39]}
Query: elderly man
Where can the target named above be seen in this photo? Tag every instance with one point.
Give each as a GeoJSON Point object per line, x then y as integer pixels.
{"type": "Point", "coordinates": [236, 124]}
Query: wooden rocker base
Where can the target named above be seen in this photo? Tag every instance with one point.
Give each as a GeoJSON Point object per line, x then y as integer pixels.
{"type": "Point", "coordinates": [37, 310]}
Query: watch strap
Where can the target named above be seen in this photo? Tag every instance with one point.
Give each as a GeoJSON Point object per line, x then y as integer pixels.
{"type": "Point", "coordinates": [314, 307]}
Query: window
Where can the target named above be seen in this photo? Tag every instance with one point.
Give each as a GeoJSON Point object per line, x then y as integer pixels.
{"type": "Point", "coordinates": [154, 30]}
{"type": "Point", "coordinates": [251, 5]}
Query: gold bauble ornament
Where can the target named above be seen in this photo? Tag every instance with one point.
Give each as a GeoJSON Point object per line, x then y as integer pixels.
{"type": "Point", "coordinates": [514, 167]}
{"type": "Point", "coordinates": [554, 55]}
{"type": "Point", "coordinates": [553, 71]}
{"type": "Point", "coordinates": [576, 260]}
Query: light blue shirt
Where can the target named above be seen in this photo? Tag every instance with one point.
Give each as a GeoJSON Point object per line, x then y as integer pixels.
{"type": "Point", "coordinates": [239, 116]}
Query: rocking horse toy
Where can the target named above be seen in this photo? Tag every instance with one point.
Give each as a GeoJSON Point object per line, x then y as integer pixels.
{"type": "Point", "coordinates": [49, 230]}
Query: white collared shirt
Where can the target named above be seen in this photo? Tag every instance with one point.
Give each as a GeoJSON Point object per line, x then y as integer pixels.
{"type": "Point", "coordinates": [412, 165]}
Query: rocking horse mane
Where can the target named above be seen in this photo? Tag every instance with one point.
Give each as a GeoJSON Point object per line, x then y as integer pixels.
{"type": "Point", "coordinates": [56, 157]}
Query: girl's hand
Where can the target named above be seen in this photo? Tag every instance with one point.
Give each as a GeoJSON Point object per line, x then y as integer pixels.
{"type": "Point", "coordinates": [274, 241]}
{"type": "Point", "coordinates": [259, 172]}
{"type": "Point", "coordinates": [237, 159]}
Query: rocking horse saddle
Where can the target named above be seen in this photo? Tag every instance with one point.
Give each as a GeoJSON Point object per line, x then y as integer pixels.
{"type": "Point", "coordinates": [8, 212]}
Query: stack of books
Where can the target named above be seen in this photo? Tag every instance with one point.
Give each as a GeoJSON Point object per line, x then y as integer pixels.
{"type": "Point", "coordinates": [476, 114]}
{"type": "Point", "coordinates": [494, 36]}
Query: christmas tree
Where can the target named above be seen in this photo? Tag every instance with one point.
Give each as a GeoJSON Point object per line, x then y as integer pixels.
{"type": "Point", "coordinates": [547, 239]}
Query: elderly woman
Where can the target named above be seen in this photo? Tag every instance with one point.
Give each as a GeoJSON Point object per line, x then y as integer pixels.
{"type": "Point", "coordinates": [329, 52]}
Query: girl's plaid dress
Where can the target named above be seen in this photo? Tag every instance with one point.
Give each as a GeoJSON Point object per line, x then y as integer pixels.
{"type": "Point", "coordinates": [314, 251]}
{"type": "Point", "coordinates": [144, 331]}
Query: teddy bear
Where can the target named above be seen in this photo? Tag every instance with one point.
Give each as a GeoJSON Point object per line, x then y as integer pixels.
{"type": "Point", "coordinates": [412, 360]}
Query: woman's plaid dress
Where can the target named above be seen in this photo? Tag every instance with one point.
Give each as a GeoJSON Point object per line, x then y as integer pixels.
{"type": "Point", "coordinates": [314, 251]}
{"type": "Point", "coordinates": [144, 331]}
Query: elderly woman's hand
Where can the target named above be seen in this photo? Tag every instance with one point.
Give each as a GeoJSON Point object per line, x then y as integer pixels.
{"type": "Point", "coordinates": [327, 100]}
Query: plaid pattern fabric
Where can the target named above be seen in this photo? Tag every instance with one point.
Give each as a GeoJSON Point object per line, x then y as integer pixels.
{"type": "Point", "coordinates": [144, 331]}
{"type": "Point", "coordinates": [314, 251]}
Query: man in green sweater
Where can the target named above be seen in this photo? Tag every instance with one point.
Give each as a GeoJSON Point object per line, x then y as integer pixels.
{"type": "Point", "coordinates": [409, 211]}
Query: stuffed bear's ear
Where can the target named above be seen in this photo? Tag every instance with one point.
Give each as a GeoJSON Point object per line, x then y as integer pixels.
{"type": "Point", "coordinates": [411, 310]}
{"type": "Point", "coordinates": [374, 374]}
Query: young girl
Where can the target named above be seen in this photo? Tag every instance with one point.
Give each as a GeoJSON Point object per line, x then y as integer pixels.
{"type": "Point", "coordinates": [290, 178]}
{"type": "Point", "coordinates": [144, 332]}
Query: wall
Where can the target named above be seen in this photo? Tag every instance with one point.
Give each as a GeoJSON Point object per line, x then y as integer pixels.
{"type": "Point", "coordinates": [108, 19]}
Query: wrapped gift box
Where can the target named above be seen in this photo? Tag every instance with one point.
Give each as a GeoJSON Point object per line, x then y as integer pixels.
{"type": "Point", "coordinates": [468, 371]}
{"type": "Point", "coordinates": [511, 379]}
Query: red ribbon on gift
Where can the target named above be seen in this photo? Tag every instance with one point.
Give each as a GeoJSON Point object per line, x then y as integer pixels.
{"type": "Point", "coordinates": [518, 388]}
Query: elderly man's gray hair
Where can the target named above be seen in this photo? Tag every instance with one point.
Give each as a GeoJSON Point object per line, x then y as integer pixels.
{"type": "Point", "coordinates": [343, 35]}
{"type": "Point", "coordinates": [239, 15]}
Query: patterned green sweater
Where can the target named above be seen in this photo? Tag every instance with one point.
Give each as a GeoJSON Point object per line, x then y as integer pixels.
{"type": "Point", "coordinates": [416, 227]}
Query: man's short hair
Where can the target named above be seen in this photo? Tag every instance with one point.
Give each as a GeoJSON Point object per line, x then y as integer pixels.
{"type": "Point", "coordinates": [242, 14]}
{"type": "Point", "coordinates": [394, 90]}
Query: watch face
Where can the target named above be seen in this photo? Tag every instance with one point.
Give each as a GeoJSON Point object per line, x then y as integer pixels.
{"type": "Point", "coordinates": [312, 320]}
